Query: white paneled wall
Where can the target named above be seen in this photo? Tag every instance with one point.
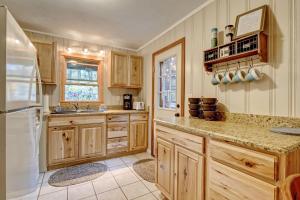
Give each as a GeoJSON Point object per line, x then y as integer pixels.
{"type": "Point", "coordinates": [111, 96]}
{"type": "Point", "coordinates": [277, 94]}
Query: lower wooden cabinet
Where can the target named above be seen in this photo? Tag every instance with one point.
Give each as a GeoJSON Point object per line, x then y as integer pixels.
{"type": "Point", "coordinates": [92, 141]}
{"type": "Point", "coordinates": [165, 167]}
{"type": "Point", "coordinates": [189, 170]}
{"type": "Point", "coordinates": [227, 183]}
{"type": "Point", "coordinates": [63, 144]}
{"type": "Point", "coordinates": [138, 135]}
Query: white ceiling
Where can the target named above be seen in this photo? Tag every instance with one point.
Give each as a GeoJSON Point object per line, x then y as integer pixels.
{"type": "Point", "coordinates": [118, 23]}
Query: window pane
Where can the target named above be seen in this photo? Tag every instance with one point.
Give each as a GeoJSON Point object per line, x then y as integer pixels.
{"type": "Point", "coordinates": [167, 83]}
{"type": "Point", "coordinates": [81, 73]}
{"type": "Point", "coordinates": [81, 93]}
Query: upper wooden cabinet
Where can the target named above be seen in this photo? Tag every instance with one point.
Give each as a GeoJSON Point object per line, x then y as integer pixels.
{"type": "Point", "coordinates": [125, 71]}
{"type": "Point", "coordinates": [46, 61]}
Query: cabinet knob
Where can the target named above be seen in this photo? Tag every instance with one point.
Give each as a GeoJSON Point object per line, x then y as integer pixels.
{"type": "Point", "coordinates": [185, 173]}
{"type": "Point", "coordinates": [177, 114]}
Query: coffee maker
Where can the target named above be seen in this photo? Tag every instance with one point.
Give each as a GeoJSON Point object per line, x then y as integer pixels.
{"type": "Point", "coordinates": [127, 101]}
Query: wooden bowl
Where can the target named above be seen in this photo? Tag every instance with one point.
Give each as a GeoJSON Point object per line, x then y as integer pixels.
{"type": "Point", "coordinates": [208, 107]}
{"type": "Point", "coordinates": [193, 106]}
{"type": "Point", "coordinates": [210, 115]}
{"type": "Point", "coordinates": [211, 101]}
{"type": "Point", "coordinates": [194, 100]}
{"type": "Point", "coordinates": [194, 113]}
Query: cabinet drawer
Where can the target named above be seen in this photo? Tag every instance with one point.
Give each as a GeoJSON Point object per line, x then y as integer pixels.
{"type": "Point", "coordinates": [139, 117]}
{"type": "Point", "coordinates": [188, 141]}
{"type": "Point", "coordinates": [227, 183]}
{"type": "Point", "coordinates": [115, 145]}
{"type": "Point", "coordinates": [258, 163]}
{"type": "Point", "coordinates": [68, 121]}
{"type": "Point", "coordinates": [115, 130]}
{"type": "Point", "coordinates": [117, 118]}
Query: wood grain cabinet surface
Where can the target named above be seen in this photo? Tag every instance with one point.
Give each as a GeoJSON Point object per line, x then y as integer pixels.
{"type": "Point", "coordinates": [92, 141]}
{"type": "Point", "coordinates": [165, 167]}
{"type": "Point", "coordinates": [138, 135]}
{"type": "Point", "coordinates": [189, 170]}
{"type": "Point", "coordinates": [63, 144]}
{"type": "Point", "coordinates": [46, 61]}
{"type": "Point", "coordinates": [125, 71]}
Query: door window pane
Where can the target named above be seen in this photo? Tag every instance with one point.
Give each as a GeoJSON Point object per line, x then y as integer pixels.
{"type": "Point", "coordinates": [167, 83]}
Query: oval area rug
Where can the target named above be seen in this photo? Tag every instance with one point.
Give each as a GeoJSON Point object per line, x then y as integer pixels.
{"type": "Point", "coordinates": [77, 174]}
{"type": "Point", "coordinates": [146, 169]}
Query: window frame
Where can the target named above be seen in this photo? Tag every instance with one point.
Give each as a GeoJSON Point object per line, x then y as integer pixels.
{"type": "Point", "coordinates": [82, 59]}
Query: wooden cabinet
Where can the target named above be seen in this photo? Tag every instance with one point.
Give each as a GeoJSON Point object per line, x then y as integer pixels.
{"type": "Point", "coordinates": [46, 61]}
{"type": "Point", "coordinates": [138, 135]}
{"type": "Point", "coordinates": [180, 170]}
{"type": "Point", "coordinates": [118, 70]}
{"type": "Point", "coordinates": [136, 71]}
{"type": "Point", "coordinates": [92, 141]}
{"type": "Point", "coordinates": [117, 134]}
{"type": "Point", "coordinates": [63, 144]}
{"type": "Point", "coordinates": [188, 175]}
{"type": "Point", "coordinates": [227, 183]}
{"type": "Point", "coordinates": [164, 167]}
{"type": "Point", "coordinates": [125, 71]}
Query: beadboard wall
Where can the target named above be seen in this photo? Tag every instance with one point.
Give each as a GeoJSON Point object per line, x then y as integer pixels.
{"type": "Point", "coordinates": [278, 94]}
{"type": "Point", "coordinates": [112, 96]}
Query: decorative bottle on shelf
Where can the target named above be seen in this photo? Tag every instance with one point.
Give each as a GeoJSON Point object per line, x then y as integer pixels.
{"type": "Point", "coordinates": [214, 37]}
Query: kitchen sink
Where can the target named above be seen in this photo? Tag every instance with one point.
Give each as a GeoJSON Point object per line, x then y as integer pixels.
{"type": "Point", "coordinates": [74, 111]}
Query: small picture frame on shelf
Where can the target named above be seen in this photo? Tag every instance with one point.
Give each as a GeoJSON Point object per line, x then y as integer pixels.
{"type": "Point", "coordinates": [250, 22]}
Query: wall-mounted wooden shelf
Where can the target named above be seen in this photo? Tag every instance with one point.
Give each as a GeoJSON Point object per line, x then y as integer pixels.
{"type": "Point", "coordinates": [252, 45]}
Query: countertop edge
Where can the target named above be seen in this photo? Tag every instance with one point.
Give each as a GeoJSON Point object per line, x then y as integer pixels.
{"type": "Point", "coordinates": [220, 136]}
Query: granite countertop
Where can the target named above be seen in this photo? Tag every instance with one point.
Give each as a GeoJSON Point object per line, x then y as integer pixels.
{"type": "Point", "coordinates": [240, 133]}
{"type": "Point", "coordinates": [96, 113]}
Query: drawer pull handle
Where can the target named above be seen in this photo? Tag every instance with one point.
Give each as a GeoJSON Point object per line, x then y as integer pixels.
{"type": "Point", "coordinates": [161, 166]}
{"type": "Point", "coordinates": [185, 173]}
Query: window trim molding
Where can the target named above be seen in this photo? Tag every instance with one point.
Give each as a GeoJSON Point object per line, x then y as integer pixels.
{"type": "Point", "coordinates": [63, 67]}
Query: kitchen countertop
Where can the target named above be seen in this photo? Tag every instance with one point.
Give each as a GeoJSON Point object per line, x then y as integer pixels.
{"type": "Point", "coordinates": [96, 113]}
{"type": "Point", "coordinates": [240, 133]}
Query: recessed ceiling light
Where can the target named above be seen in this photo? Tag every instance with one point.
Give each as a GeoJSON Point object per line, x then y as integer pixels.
{"type": "Point", "coordinates": [85, 51]}
{"type": "Point", "coordinates": [101, 53]}
{"type": "Point", "coordinates": [69, 49]}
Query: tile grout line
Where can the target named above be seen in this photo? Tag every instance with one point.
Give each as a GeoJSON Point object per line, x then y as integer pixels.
{"type": "Point", "coordinates": [94, 189]}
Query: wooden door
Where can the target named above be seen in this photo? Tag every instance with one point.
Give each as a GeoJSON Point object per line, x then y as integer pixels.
{"type": "Point", "coordinates": [138, 135]}
{"type": "Point", "coordinates": [136, 71]}
{"type": "Point", "coordinates": [92, 141]}
{"type": "Point", "coordinates": [45, 55]}
{"type": "Point", "coordinates": [189, 171]}
{"type": "Point", "coordinates": [119, 70]}
{"type": "Point", "coordinates": [62, 144]}
{"type": "Point", "coordinates": [164, 167]}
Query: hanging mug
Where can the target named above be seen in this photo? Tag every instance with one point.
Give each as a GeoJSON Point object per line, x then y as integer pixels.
{"type": "Point", "coordinates": [239, 75]}
{"type": "Point", "coordinates": [216, 79]}
{"type": "Point", "coordinates": [227, 78]}
{"type": "Point", "coordinates": [253, 74]}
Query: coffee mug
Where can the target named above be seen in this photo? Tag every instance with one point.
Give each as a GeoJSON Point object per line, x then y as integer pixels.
{"type": "Point", "coordinates": [239, 76]}
{"type": "Point", "coordinates": [253, 74]}
{"type": "Point", "coordinates": [227, 78]}
{"type": "Point", "coordinates": [216, 79]}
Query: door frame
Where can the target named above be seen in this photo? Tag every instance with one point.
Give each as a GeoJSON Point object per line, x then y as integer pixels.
{"type": "Point", "coordinates": [180, 42]}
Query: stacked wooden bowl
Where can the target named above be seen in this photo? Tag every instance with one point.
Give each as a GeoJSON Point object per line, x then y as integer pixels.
{"type": "Point", "coordinates": [194, 107]}
{"type": "Point", "coordinates": [209, 108]}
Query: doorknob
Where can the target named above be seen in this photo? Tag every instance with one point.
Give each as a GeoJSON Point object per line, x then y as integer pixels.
{"type": "Point", "coordinates": [177, 114]}
{"type": "Point", "coordinates": [178, 105]}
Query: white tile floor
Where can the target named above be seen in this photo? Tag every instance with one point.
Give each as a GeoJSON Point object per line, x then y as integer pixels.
{"type": "Point", "coordinates": [120, 182]}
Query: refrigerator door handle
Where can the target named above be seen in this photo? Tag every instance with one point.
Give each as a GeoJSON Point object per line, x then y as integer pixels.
{"type": "Point", "coordinates": [39, 82]}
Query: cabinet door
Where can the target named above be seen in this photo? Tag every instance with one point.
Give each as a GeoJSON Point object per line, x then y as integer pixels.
{"type": "Point", "coordinates": [92, 141]}
{"type": "Point", "coordinates": [188, 175]}
{"type": "Point", "coordinates": [164, 167]}
{"type": "Point", "coordinates": [138, 135]}
{"type": "Point", "coordinates": [119, 70]}
{"type": "Point", "coordinates": [136, 71]}
{"type": "Point", "coordinates": [45, 55]}
{"type": "Point", "coordinates": [62, 144]}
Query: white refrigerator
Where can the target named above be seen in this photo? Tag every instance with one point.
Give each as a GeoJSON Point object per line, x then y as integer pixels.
{"type": "Point", "coordinates": [20, 110]}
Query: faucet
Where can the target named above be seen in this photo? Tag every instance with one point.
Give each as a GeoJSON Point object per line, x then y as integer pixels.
{"type": "Point", "coordinates": [76, 106]}
{"type": "Point", "coordinates": [88, 107]}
